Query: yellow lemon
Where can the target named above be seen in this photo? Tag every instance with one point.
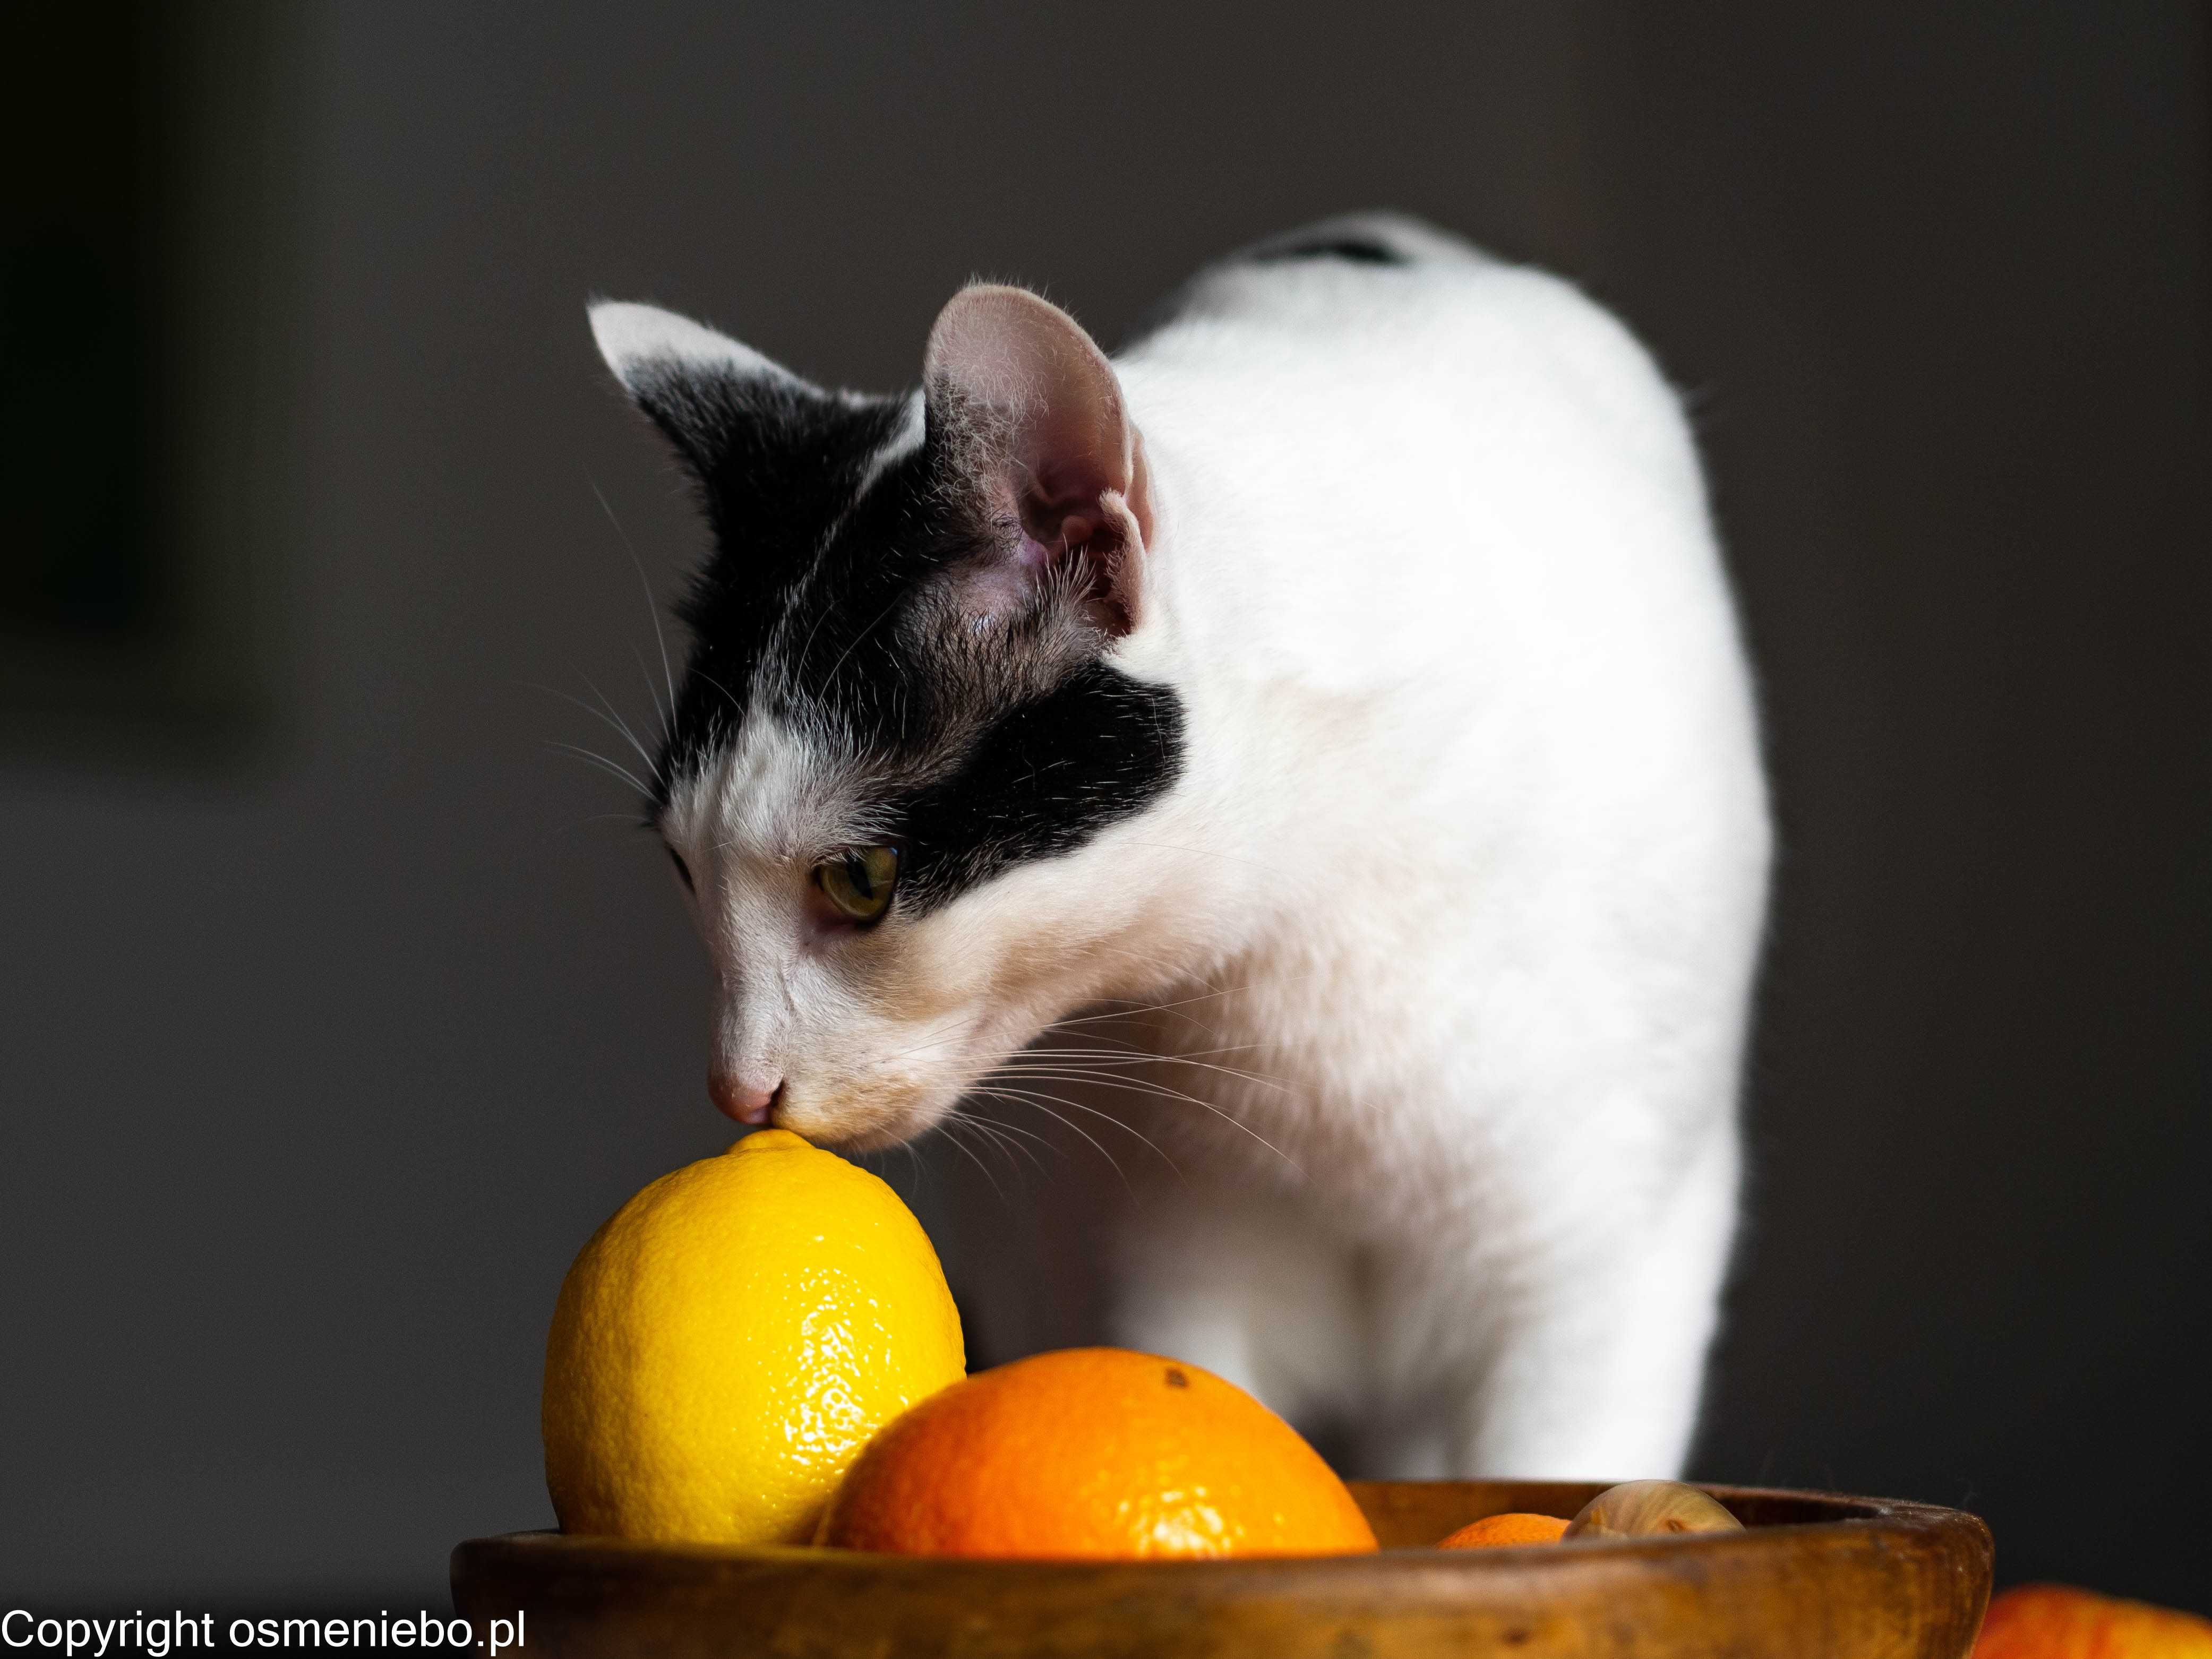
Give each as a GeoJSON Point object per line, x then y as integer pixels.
{"type": "Point", "coordinates": [725, 1344]}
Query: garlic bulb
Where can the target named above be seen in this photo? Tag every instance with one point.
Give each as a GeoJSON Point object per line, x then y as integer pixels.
{"type": "Point", "coordinates": [1649, 1509]}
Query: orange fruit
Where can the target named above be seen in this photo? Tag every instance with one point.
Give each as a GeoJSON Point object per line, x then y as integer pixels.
{"type": "Point", "coordinates": [1495, 1532]}
{"type": "Point", "coordinates": [2050, 1621]}
{"type": "Point", "coordinates": [1093, 1452]}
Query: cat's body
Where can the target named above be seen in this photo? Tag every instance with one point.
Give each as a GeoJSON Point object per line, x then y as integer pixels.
{"type": "Point", "coordinates": [1398, 648]}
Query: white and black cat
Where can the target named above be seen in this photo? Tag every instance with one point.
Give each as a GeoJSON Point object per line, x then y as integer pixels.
{"type": "Point", "coordinates": [1350, 658]}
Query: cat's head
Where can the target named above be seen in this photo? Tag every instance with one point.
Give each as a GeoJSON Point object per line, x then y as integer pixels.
{"type": "Point", "coordinates": [907, 731]}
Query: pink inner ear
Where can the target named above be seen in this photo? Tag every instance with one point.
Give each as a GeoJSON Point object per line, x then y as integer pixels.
{"type": "Point", "coordinates": [1105, 541]}
{"type": "Point", "coordinates": [1062, 446]}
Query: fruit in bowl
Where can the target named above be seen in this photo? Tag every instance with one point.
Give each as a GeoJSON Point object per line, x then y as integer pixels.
{"type": "Point", "coordinates": [1091, 1453]}
{"type": "Point", "coordinates": [728, 1341]}
{"type": "Point", "coordinates": [760, 1351]}
{"type": "Point", "coordinates": [1514, 1530]}
{"type": "Point", "coordinates": [727, 1345]}
{"type": "Point", "coordinates": [759, 1348]}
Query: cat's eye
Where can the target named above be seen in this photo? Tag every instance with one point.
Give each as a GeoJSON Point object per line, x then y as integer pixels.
{"type": "Point", "coordinates": [858, 881]}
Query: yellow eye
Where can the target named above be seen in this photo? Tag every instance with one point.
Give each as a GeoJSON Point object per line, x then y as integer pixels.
{"type": "Point", "coordinates": [859, 881]}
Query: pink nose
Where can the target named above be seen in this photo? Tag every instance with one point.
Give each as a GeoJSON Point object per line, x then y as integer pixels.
{"type": "Point", "coordinates": [739, 1100]}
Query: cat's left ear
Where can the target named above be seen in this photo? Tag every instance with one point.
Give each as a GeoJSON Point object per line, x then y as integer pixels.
{"type": "Point", "coordinates": [1035, 416]}
{"type": "Point", "coordinates": [706, 392]}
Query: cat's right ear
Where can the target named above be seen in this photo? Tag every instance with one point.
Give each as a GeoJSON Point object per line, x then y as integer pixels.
{"type": "Point", "coordinates": [1035, 412]}
{"type": "Point", "coordinates": [701, 388]}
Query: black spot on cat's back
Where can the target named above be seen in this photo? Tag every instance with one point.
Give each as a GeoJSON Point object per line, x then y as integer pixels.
{"type": "Point", "coordinates": [1357, 249]}
{"type": "Point", "coordinates": [1368, 242]}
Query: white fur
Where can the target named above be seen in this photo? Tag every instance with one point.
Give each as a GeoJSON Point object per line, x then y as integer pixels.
{"type": "Point", "coordinates": [1466, 868]}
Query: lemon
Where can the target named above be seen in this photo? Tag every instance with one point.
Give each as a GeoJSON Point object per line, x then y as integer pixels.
{"type": "Point", "coordinates": [725, 1344]}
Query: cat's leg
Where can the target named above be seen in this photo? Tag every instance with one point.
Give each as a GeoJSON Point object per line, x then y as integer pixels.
{"type": "Point", "coordinates": [1594, 1332]}
{"type": "Point", "coordinates": [1247, 1285]}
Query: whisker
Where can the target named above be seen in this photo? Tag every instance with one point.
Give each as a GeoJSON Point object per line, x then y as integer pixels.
{"type": "Point", "coordinates": [1015, 1129]}
{"type": "Point", "coordinates": [1162, 1091]}
{"type": "Point", "coordinates": [952, 1140]}
{"type": "Point", "coordinates": [614, 722]}
{"type": "Point", "coordinates": [1030, 1057]}
{"type": "Point", "coordinates": [603, 764]}
{"type": "Point", "coordinates": [652, 605]}
{"type": "Point", "coordinates": [1134, 1055]}
{"type": "Point", "coordinates": [1127, 1127]}
{"type": "Point", "coordinates": [964, 1124]}
{"type": "Point", "coordinates": [1001, 1136]}
{"type": "Point", "coordinates": [1038, 1101]}
{"type": "Point", "coordinates": [1121, 1008]}
{"type": "Point", "coordinates": [622, 725]}
{"type": "Point", "coordinates": [932, 1042]}
{"type": "Point", "coordinates": [663, 717]}
{"type": "Point", "coordinates": [1038, 1097]}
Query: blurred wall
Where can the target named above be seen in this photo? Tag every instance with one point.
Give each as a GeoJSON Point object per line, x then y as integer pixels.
{"type": "Point", "coordinates": [318, 1065]}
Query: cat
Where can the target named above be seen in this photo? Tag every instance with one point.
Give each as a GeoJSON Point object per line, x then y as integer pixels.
{"type": "Point", "coordinates": [1346, 671]}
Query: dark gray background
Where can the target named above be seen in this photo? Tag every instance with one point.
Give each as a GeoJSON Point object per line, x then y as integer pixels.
{"type": "Point", "coordinates": [319, 1060]}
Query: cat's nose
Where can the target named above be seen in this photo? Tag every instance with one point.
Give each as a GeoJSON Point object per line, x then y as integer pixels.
{"type": "Point", "coordinates": [742, 1098]}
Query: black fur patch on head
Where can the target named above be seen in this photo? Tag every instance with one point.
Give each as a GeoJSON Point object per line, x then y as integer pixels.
{"type": "Point", "coordinates": [775, 461]}
{"type": "Point", "coordinates": [784, 472]}
{"type": "Point", "coordinates": [1046, 776]}
{"type": "Point", "coordinates": [995, 738]}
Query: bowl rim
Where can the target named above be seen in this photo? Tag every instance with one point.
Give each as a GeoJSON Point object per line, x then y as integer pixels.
{"type": "Point", "coordinates": [1858, 1516]}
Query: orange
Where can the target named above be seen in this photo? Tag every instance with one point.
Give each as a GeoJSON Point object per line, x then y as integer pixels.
{"type": "Point", "coordinates": [1504, 1531]}
{"type": "Point", "coordinates": [1093, 1452]}
{"type": "Point", "coordinates": [2050, 1621]}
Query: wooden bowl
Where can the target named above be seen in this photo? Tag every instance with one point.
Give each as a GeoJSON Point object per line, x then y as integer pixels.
{"type": "Point", "coordinates": [1814, 1575]}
